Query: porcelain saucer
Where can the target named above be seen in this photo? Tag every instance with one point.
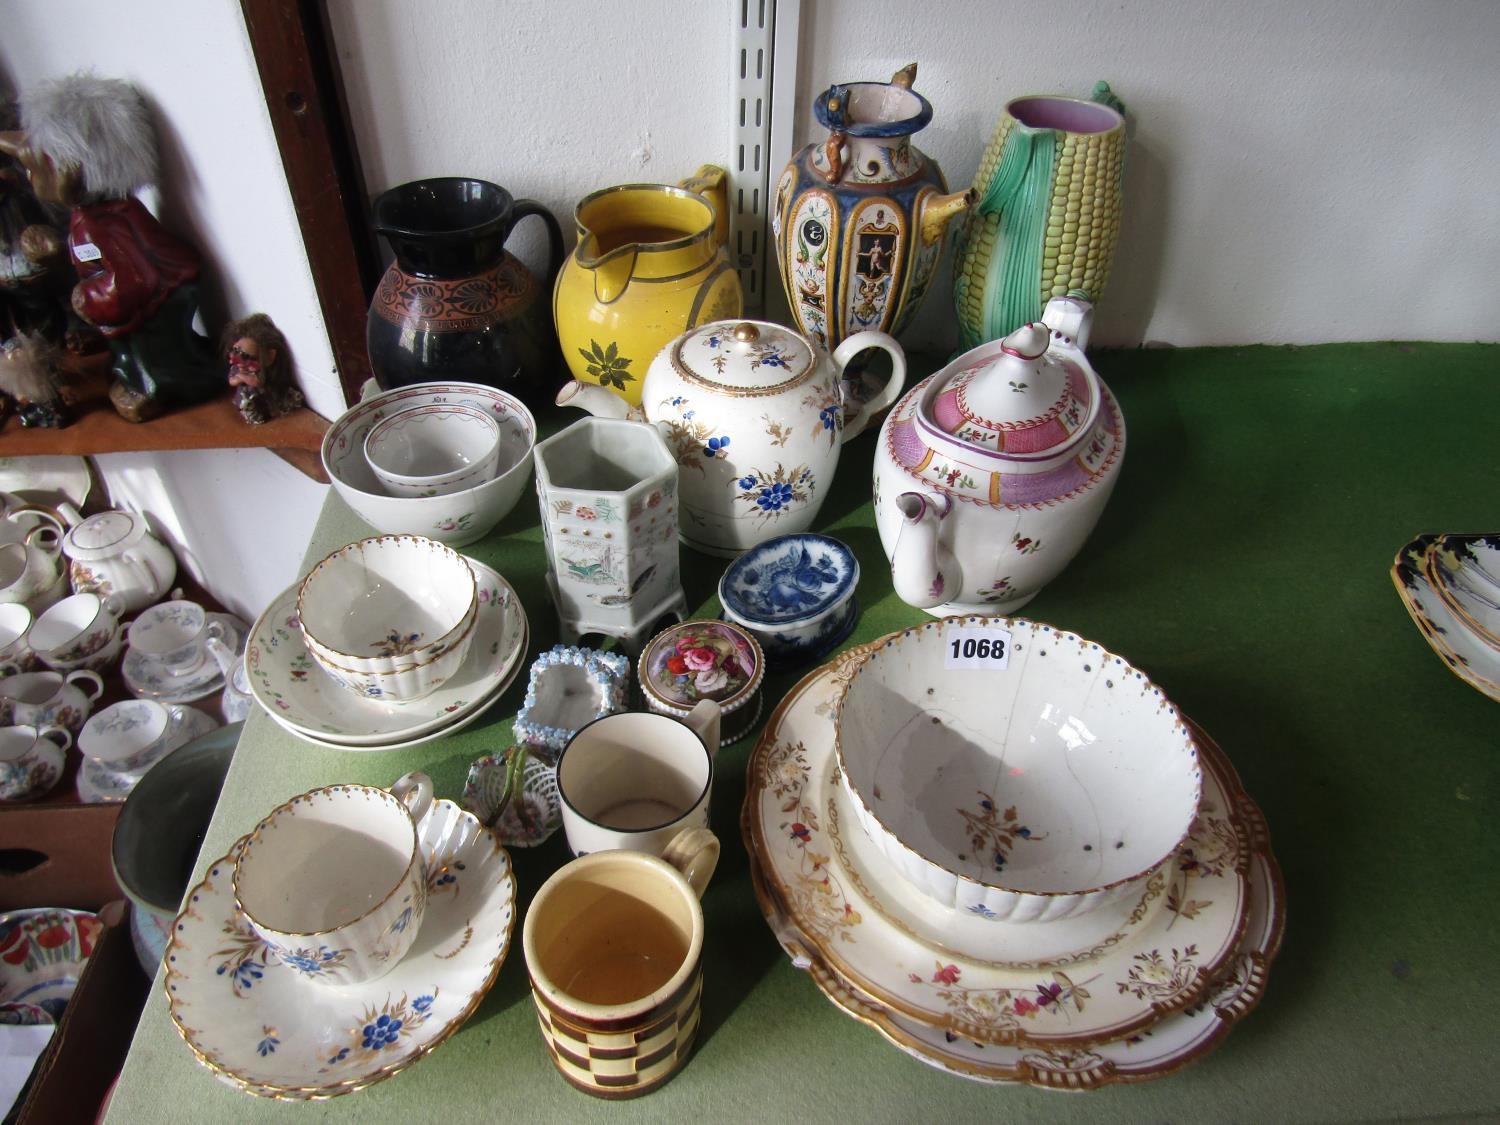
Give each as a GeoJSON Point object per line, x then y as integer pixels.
{"type": "Point", "coordinates": [1172, 943]}
{"type": "Point", "coordinates": [42, 955]}
{"type": "Point", "coordinates": [1465, 654]}
{"type": "Point", "coordinates": [290, 686]}
{"type": "Point", "coordinates": [1163, 1048]}
{"type": "Point", "coordinates": [452, 725]}
{"type": "Point", "coordinates": [269, 1029]}
{"type": "Point", "coordinates": [147, 679]}
{"type": "Point", "coordinates": [48, 479]}
{"type": "Point", "coordinates": [1461, 567]}
{"type": "Point", "coordinates": [98, 784]}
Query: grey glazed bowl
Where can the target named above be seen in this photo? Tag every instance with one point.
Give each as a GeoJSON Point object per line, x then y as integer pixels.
{"type": "Point", "coordinates": [160, 830]}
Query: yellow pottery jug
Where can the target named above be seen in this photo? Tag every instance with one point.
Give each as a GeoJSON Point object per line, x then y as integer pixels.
{"type": "Point", "coordinates": [649, 265]}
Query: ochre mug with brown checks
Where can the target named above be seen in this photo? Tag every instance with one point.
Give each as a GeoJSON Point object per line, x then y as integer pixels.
{"type": "Point", "coordinates": [614, 947]}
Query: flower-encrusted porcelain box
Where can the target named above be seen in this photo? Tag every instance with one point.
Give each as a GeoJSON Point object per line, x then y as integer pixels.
{"type": "Point", "coordinates": [569, 688]}
{"type": "Point", "coordinates": [698, 660]}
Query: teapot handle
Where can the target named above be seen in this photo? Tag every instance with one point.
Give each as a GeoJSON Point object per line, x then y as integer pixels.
{"type": "Point", "coordinates": [893, 386]}
{"type": "Point", "coordinates": [525, 207]}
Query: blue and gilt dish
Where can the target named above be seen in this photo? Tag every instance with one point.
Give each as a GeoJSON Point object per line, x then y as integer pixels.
{"type": "Point", "coordinates": [795, 593]}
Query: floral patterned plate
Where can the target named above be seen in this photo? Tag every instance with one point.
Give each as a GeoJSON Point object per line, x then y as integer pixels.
{"type": "Point", "coordinates": [1166, 960]}
{"type": "Point", "coordinates": [147, 679]}
{"type": "Point", "coordinates": [1468, 657]}
{"type": "Point", "coordinates": [98, 784]}
{"type": "Point", "coordinates": [265, 1027]}
{"type": "Point", "coordinates": [42, 954]}
{"type": "Point", "coordinates": [304, 700]}
{"type": "Point", "coordinates": [1163, 1048]}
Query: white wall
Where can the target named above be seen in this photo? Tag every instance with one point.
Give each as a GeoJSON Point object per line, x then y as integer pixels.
{"type": "Point", "coordinates": [551, 99]}
{"type": "Point", "coordinates": [1297, 172]}
{"type": "Point", "coordinates": [223, 189]}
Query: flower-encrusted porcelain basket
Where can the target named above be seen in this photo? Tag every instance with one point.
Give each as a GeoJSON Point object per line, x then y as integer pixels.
{"type": "Point", "coordinates": [569, 688]}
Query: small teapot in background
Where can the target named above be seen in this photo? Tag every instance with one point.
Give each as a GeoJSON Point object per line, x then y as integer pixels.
{"type": "Point", "coordinates": [114, 553]}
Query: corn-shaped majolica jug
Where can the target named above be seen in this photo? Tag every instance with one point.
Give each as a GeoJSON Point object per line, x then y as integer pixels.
{"type": "Point", "coordinates": [859, 218]}
{"type": "Point", "coordinates": [1047, 216]}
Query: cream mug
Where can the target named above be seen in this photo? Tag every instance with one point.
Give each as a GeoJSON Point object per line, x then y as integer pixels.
{"type": "Point", "coordinates": [31, 760]}
{"type": "Point", "coordinates": [334, 881]}
{"type": "Point", "coordinates": [635, 780]}
{"type": "Point", "coordinates": [39, 699]}
{"type": "Point", "coordinates": [15, 640]}
{"type": "Point", "coordinates": [614, 949]}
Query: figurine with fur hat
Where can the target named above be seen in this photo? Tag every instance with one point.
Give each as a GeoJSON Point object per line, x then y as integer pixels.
{"type": "Point", "coordinates": [260, 369]}
{"type": "Point", "coordinates": [88, 142]}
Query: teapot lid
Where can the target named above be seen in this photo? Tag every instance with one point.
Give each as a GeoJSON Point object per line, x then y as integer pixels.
{"type": "Point", "coordinates": [104, 536]}
{"type": "Point", "coordinates": [1011, 398]}
{"type": "Point", "coordinates": [743, 356]}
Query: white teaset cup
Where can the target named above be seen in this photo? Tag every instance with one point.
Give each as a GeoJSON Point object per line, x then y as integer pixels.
{"type": "Point", "coordinates": [334, 882]}
{"type": "Point", "coordinates": [128, 736]}
{"type": "Point", "coordinates": [174, 635]}
{"type": "Point", "coordinates": [15, 646]}
{"type": "Point", "coordinates": [433, 450]}
{"type": "Point", "coordinates": [81, 631]}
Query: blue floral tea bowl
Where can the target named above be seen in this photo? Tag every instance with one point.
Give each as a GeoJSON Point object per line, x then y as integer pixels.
{"type": "Point", "coordinates": [795, 593]}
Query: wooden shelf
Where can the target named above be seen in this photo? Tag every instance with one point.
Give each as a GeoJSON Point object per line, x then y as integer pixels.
{"type": "Point", "coordinates": [96, 428]}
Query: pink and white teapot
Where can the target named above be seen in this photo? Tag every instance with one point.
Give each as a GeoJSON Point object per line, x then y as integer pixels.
{"type": "Point", "coordinates": [990, 474]}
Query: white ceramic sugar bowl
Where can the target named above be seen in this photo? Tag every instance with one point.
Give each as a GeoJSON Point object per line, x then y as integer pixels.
{"type": "Point", "coordinates": [990, 474]}
{"type": "Point", "coordinates": [755, 415]}
{"type": "Point", "coordinates": [114, 553]}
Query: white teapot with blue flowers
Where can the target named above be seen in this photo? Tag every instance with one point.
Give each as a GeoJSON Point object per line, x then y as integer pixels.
{"type": "Point", "coordinates": [755, 414]}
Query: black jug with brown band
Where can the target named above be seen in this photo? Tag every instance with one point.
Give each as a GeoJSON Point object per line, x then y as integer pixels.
{"type": "Point", "coordinates": [455, 305]}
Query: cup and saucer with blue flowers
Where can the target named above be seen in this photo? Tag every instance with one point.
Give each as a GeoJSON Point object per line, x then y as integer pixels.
{"type": "Point", "coordinates": [282, 1026]}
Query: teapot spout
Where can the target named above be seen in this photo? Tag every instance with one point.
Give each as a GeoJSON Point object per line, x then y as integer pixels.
{"type": "Point", "coordinates": [937, 210]}
{"type": "Point", "coordinates": [924, 573]}
{"type": "Point", "coordinates": [593, 398]}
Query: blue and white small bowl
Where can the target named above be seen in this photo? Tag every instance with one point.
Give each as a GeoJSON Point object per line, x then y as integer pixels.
{"type": "Point", "coordinates": [795, 593]}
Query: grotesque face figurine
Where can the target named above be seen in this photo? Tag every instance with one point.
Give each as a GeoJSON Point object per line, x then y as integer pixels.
{"type": "Point", "coordinates": [260, 372]}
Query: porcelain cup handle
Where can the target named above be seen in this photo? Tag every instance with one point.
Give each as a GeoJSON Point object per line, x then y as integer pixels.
{"type": "Point", "coordinates": [84, 676]}
{"type": "Point", "coordinates": [223, 655]}
{"type": "Point", "coordinates": [64, 739]}
{"type": "Point", "coordinates": [414, 790]}
{"type": "Point", "coordinates": [70, 514]}
{"type": "Point", "coordinates": [47, 538]}
{"type": "Point", "coordinates": [113, 604]}
{"type": "Point", "coordinates": [703, 719]}
{"type": "Point", "coordinates": [695, 853]}
{"type": "Point", "coordinates": [850, 348]}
